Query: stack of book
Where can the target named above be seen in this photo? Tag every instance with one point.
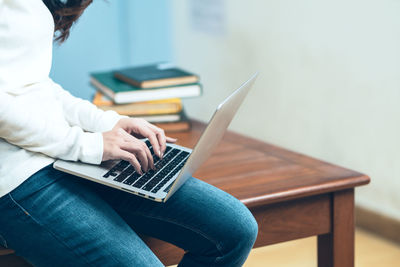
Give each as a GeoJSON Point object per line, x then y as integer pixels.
{"type": "Point", "coordinates": [152, 92]}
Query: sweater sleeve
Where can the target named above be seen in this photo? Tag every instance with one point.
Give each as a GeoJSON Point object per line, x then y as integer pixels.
{"type": "Point", "coordinates": [28, 129]}
{"type": "Point", "coordinates": [82, 113]}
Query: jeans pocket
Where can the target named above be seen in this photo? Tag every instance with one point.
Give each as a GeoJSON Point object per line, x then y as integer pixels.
{"type": "Point", "coordinates": [18, 205]}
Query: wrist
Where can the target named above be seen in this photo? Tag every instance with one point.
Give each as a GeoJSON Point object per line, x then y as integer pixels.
{"type": "Point", "coordinates": [110, 120]}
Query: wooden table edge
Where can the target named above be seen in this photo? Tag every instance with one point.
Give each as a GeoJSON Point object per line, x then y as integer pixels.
{"type": "Point", "coordinates": [301, 192]}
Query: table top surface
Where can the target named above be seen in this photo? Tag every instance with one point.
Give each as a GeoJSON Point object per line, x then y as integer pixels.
{"type": "Point", "coordinates": [258, 173]}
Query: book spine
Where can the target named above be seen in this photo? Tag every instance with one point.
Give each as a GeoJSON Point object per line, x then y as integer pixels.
{"type": "Point", "coordinates": [105, 90]}
{"type": "Point", "coordinates": [169, 82]}
{"type": "Point", "coordinates": [175, 126]}
{"type": "Point", "coordinates": [132, 111]}
{"type": "Point", "coordinates": [169, 92]}
{"type": "Point", "coordinates": [127, 80]}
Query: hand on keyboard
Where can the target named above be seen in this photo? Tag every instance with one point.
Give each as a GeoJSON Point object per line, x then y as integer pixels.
{"type": "Point", "coordinates": [141, 128]}
{"type": "Point", "coordinates": [122, 143]}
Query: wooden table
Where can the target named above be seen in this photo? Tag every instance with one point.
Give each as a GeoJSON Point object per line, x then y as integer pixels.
{"type": "Point", "coordinates": [291, 195]}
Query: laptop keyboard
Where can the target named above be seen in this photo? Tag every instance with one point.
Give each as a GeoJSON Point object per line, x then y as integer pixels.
{"type": "Point", "coordinates": [152, 181]}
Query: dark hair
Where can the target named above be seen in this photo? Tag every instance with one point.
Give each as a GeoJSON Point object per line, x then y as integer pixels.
{"type": "Point", "coordinates": [65, 13]}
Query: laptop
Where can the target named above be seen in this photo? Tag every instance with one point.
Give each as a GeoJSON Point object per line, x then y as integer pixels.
{"type": "Point", "coordinates": [177, 165]}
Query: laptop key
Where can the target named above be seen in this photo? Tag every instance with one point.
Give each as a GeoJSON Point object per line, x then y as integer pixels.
{"type": "Point", "coordinates": [166, 190]}
{"type": "Point", "coordinates": [128, 171]}
{"type": "Point", "coordinates": [120, 166]}
{"type": "Point", "coordinates": [132, 178]}
{"type": "Point", "coordinates": [148, 143]}
{"type": "Point", "coordinates": [123, 164]}
{"type": "Point", "coordinates": [169, 177]}
{"type": "Point", "coordinates": [185, 153]}
{"type": "Point", "coordinates": [116, 169]}
{"type": "Point", "coordinates": [155, 180]}
{"type": "Point", "coordinates": [139, 183]}
{"type": "Point", "coordinates": [148, 186]}
{"type": "Point", "coordinates": [152, 151]}
{"type": "Point", "coordinates": [109, 173]}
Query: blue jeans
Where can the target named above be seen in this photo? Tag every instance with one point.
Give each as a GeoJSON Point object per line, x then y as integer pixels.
{"type": "Point", "coordinates": [56, 219]}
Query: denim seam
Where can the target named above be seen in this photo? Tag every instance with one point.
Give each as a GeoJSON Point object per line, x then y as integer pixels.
{"type": "Point", "coordinates": [217, 244]}
{"type": "Point", "coordinates": [19, 206]}
{"type": "Point", "coordinates": [3, 241]}
{"type": "Point", "coordinates": [47, 230]}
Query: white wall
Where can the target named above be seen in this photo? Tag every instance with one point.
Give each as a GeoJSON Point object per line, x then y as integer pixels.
{"type": "Point", "coordinates": [329, 84]}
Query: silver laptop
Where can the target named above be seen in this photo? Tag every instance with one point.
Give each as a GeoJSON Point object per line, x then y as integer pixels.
{"type": "Point", "coordinates": [177, 165]}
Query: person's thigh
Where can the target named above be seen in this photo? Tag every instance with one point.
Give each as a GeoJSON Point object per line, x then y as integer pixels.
{"type": "Point", "coordinates": [53, 219]}
{"type": "Point", "coordinates": [214, 228]}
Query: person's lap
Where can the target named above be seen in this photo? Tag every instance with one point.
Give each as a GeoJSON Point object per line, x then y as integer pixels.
{"type": "Point", "coordinates": [57, 218]}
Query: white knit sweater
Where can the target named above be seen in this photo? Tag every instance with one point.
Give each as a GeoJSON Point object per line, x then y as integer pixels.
{"type": "Point", "coordinates": [39, 121]}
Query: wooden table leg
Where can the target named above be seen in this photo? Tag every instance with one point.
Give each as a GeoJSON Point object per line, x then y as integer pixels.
{"type": "Point", "coordinates": [336, 249]}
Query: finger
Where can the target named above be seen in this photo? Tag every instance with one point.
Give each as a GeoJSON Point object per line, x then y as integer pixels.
{"type": "Point", "coordinates": [149, 157]}
{"type": "Point", "coordinates": [127, 137]}
{"type": "Point", "coordinates": [140, 149]}
{"type": "Point", "coordinates": [125, 155]}
{"type": "Point", "coordinates": [149, 162]}
{"type": "Point", "coordinates": [141, 155]}
{"type": "Point", "coordinates": [171, 139]}
{"type": "Point", "coordinates": [161, 140]}
{"type": "Point", "coordinates": [148, 132]}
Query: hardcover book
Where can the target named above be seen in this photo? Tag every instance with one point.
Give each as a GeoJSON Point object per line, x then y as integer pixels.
{"type": "Point", "coordinates": [122, 93]}
{"type": "Point", "coordinates": [164, 106]}
{"type": "Point", "coordinates": [162, 118]}
{"type": "Point", "coordinates": [155, 76]}
{"type": "Point", "coordinates": [183, 124]}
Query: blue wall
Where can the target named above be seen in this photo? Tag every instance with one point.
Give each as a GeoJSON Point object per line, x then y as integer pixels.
{"type": "Point", "coordinates": [112, 34]}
